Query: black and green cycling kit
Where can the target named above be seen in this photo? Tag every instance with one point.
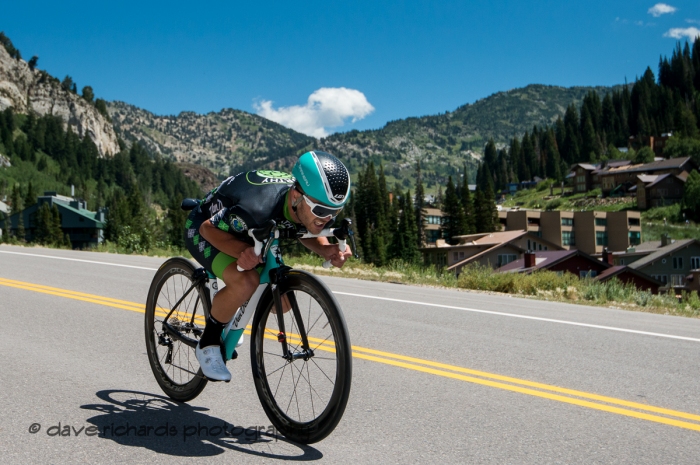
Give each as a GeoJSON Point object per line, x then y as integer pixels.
{"type": "Point", "coordinates": [247, 200]}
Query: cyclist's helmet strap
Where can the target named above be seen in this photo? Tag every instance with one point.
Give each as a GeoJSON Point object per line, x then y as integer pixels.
{"type": "Point", "coordinates": [323, 177]}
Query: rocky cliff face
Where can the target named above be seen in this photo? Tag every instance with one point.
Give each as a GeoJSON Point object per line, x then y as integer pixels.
{"type": "Point", "coordinates": [27, 90]}
{"type": "Point", "coordinates": [226, 141]}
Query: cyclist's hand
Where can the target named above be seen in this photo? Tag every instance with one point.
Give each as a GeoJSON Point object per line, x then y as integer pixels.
{"type": "Point", "coordinates": [332, 252]}
{"type": "Point", "coordinates": [247, 259]}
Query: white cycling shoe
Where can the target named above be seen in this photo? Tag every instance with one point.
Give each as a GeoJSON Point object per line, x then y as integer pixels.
{"type": "Point", "coordinates": [212, 363]}
{"type": "Point", "coordinates": [240, 341]}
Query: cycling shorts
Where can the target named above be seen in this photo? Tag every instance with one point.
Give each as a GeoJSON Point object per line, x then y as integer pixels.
{"type": "Point", "coordinates": [211, 258]}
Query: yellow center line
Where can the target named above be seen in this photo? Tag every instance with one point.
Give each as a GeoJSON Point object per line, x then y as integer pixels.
{"type": "Point", "coordinates": [522, 386]}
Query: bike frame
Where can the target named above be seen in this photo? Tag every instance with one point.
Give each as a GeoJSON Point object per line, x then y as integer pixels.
{"type": "Point", "coordinates": [273, 270]}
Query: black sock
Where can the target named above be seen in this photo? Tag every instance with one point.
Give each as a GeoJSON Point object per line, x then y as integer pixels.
{"type": "Point", "coordinates": [212, 333]}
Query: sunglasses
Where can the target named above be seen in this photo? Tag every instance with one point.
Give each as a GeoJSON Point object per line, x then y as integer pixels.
{"type": "Point", "coordinates": [321, 211]}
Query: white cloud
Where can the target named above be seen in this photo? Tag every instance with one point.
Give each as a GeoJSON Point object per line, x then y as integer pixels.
{"type": "Point", "coordinates": [679, 32]}
{"type": "Point", "coordinates": [327, 107]}
{"type": "Point", "coordinates": [661, 9]}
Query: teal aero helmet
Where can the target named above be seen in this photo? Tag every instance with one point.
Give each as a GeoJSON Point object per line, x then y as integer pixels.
{"type": "Point", "coordinates": [322, 176]}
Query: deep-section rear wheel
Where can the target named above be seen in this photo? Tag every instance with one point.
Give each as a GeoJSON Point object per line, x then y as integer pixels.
{"type": "Point", "coordinates": [170, 343]}
{"type": "Point", "coordinates": [305, 394]}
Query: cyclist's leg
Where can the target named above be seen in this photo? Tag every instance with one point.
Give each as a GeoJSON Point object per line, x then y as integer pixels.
{"type": "Point", "coordinates": [240, 286]}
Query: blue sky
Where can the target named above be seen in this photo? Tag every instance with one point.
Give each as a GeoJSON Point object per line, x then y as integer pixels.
{"type": "Point", "coordinates": [364, 62]}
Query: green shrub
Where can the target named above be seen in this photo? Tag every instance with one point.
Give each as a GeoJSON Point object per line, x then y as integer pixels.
{"type": "Point", "coordinates": [553, 204]}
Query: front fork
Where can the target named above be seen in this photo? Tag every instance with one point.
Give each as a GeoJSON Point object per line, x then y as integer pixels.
{"type": "Point", "coordinates": [277, 277]}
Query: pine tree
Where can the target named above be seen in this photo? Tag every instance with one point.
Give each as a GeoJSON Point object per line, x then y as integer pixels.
{"type": "Point", "coordinates": [467, 206]}
{"type": "Point", "coordinates": [44, 224]}
{"type": "Point", "coordinates": [419, 207]}
{"type": "Point", "coordinates": [16, 199]}
{"type": "Point", "coordinates": [409, 229]}
{"type": "Point", "coordinates": [370, 218]}
{"type": "Point", "coordinates": [21, 234]}
{"type": "Point", "coordinates": [30, 198]}
{"type": "Point", "coordinates": [553, 167]}
{"type": "Point", "coordinates": [529, 158]}
{"type": "Point", "coordinates": [486, 213]}
{"type": "Point", "coordinates": [452, 214]}
{"type": "Point", "coordinates": [56, 226]}
{"type": "Point", "coordinates": [439, 197]}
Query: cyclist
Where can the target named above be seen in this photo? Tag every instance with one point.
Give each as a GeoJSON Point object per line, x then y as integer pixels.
{"type": "Point", "coordinates": [216, 233]}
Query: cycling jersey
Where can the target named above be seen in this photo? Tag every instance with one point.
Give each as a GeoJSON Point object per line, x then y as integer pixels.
{"type": "Point", "coordinates": [247, 200]}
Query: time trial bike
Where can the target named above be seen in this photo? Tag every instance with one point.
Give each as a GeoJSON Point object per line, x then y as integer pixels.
{"type": "Point", "coordinates": [300, 357]}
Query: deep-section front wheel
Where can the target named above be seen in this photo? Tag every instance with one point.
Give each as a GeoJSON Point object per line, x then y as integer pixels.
{"type": "Point", "coordinates": [170, 342]}
{"type": "Point", "coordinates": [304, 395]}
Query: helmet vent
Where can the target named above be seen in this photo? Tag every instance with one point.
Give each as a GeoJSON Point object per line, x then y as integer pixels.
{"type": "Point", "coordinates": [336, 173]}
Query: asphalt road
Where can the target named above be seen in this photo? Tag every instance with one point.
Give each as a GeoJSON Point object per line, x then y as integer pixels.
{"type": "Point", "coordinates": [453, 376]}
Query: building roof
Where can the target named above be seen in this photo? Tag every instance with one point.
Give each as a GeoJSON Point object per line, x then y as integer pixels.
{"type": "Point", "coordinates": [648, 246]}
{"type": "Point", "coordinates": [490, 238]}
{"type": "Point", "coordinates": [586, 166]}
{"type": "Point", "coordinates": [490, 242]}
{"type": "Point", "coordinates": [671, 163]}
{"type": "Point", "coordinates": [647, 178]}
{"type": "Point", "coordinates": [661, 252]}
{"type": "Point", "coordinates": [619, 269]}
{"type": "Point", "coordinates": [543, 260]}
{"type": "Point", "coordinates": [661, 177]}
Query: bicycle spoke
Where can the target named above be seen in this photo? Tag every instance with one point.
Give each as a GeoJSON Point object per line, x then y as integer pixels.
{"type": "Point", "coordinates": [324, 373]}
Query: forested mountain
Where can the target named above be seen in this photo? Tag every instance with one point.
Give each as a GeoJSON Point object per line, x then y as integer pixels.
{"type": "Point", "coordinates": [230, 141]}
{"type": "Point", "coordinates": [446, 142]}
{"type": "Point", "coordinates": [626, 117]}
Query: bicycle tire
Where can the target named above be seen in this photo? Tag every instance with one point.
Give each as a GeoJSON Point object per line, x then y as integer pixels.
{"type": "Point", "coordinates": [267, 360]}
{"type": "Point", "coordinates": [173, 362]}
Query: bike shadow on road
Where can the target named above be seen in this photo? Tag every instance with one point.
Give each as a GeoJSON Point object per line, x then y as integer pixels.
{"type": "Point", "coordinates": [141, 419]}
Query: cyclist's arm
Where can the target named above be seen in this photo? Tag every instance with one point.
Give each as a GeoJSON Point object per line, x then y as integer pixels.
{"type": "Point", "coordinates": [328, 251]}
{"type": "Point", "coordinates": [316, 244]}
{"type": "Point", "coordinates": [229, 245]}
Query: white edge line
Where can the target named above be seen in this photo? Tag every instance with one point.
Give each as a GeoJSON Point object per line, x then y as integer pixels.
{"type": "Point", "coordinates": [79, 260]}
{"type": "Point", "coordinates": [514, 315]}
{"type": "Point", "coordinates": [465, 309]}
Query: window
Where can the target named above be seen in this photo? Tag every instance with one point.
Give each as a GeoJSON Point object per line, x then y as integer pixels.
{"type": "Point", "coordinates": [635, 237]}
{"type": "Point", "coordinates": [528, 245]}
{"type": "Point", "coordinates": [504, 259]}
{"type": "Point", "coordinates": [633, 221]}
{"type": "Point", "coordinates": [694, 263]}
{"type": "Point", "coordinates": [677, 263]}
{"type": "Point", "coordinates": [455, 256]}
{"type": "Point", "coordinates": [601, 221]}
{"type": "Point", "coordinates": [601, 238]}
{"type": "Point", "coordinates": [660, 277]}
{"type": "Point", "coordinates": [568, 238]}
{"type": "Point", "coordinates": [567, 221]}
{"type": "Point", "coordinates": [540, 246]}
{"type": "Point", "coordinates": [677, 280]}
{"type": "Point", "coordinates": [588, 274]}
{"type": "Point", "coordinates": [581, 179]}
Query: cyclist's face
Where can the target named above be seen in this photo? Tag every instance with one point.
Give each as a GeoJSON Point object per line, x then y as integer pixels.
{"type": "Point", "coordinates": [312, 222]}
